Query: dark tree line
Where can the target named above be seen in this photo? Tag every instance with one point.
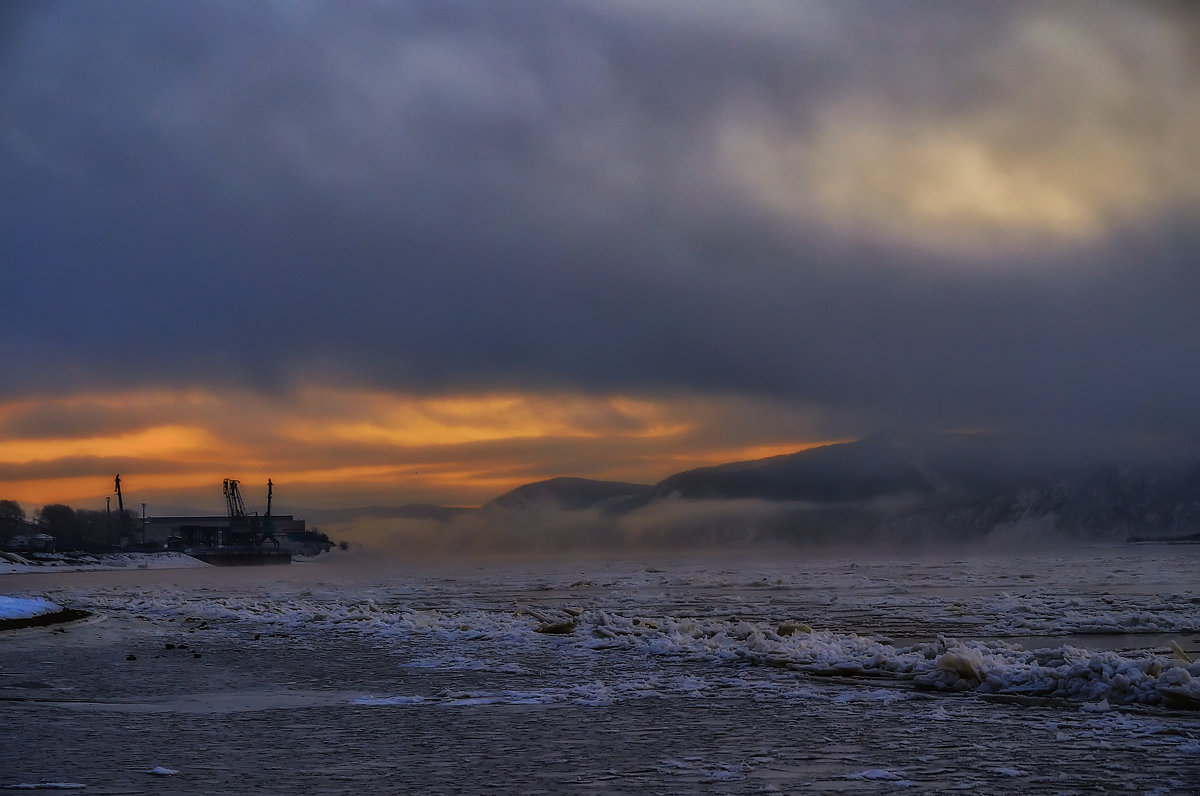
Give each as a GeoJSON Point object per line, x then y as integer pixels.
{"type": "Point", "coordinates": [12, 519]}
{"type": "Point", "coordinates": [80, 529]}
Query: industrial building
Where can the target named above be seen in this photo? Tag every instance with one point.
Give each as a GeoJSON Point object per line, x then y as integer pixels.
{"type": "Point", "coordinates": [162, 529]}
{"type": "Point", "coordinates": [236, 529]}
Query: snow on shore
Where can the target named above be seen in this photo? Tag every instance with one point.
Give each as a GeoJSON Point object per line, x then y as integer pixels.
{"type": "Point", "coordinates": [87, 562]}
{"type": "Point", "coordinates": [26, 607]}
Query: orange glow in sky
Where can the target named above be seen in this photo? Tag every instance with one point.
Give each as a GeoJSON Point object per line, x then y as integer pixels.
{"type": "Point", "coordinates": [159, 441]}
{"type": "Point", "coordinates": [330, 448]}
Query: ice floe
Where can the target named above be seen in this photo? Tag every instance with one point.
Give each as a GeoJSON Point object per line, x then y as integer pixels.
{"type": "Point", "coordinates": [704, 769]}
{"type": "Point", "coordinates": [876, 774]}
{"type": "Point", "coordinates": [393, 700]}
{"type": "Point", "coordinates": [944, 664]}
{"type": "Point", "coordinates": [991, 641]}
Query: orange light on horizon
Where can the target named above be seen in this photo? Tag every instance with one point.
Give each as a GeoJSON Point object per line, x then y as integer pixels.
{"type": "Point", "coordinates": [388, 448]}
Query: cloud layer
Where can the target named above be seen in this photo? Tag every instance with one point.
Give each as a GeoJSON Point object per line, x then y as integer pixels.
{"type": "Point", "coordinates": [895, 213]}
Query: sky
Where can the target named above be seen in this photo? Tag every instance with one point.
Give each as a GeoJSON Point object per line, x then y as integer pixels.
{"type": "Point", "coordinates": [394, 252]}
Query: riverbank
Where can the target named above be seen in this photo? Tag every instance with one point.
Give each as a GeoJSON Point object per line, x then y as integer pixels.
{"type": "Point", "coordinates": [12, 563]}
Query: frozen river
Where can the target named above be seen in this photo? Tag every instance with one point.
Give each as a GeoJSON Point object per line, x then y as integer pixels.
{"type": "Point", "coordinates": [1048, 673]}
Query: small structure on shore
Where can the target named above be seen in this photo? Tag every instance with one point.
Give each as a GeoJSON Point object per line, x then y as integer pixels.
{"type": "Point", "coordinates": [30, 543]}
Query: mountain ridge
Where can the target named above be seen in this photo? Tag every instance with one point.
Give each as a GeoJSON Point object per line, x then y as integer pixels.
{"type": "Point", "coordinates": [889, 487]}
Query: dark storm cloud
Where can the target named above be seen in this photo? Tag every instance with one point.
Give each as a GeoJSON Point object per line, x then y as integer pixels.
{"type": "Point", "coordinates": [600, 196]}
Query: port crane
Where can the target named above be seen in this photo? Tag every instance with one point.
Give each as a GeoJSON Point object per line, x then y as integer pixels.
{"type": "Point", "coordinates": [120, 500]}
{"type": "Point", "coordinates": [123, 517]}
{"type": "Point", "coordinates": [258, 531]}
{"type": "Point", "coordinates": [233, 499]}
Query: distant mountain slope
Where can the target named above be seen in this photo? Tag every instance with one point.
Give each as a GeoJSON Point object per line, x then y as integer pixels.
{"type": "Point", "coordinates": [872, 467]}
{"type": "Point", "coordinates": [894, 488]}
{"type": "Point", "coordinates": [1098, 502]}
{"type": "Point", "coordinates": [885, 464]}
{"type": "Point", "coordinates": [565, 494]}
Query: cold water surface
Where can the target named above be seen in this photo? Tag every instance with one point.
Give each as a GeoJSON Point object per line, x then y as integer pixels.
{"type": "Point", "coordinates": [1045, 673]}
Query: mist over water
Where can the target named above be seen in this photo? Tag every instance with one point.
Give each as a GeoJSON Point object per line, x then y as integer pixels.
{"type": "Point", "coordinates": [743, 528]}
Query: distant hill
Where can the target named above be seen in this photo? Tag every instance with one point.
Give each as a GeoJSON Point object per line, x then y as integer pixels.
{"type": "Point", "coordinates": [881, 465]}
{"type": "Point", "coordinates": [1101, 502]}
{"type": "Point", "coordinates": [565, 494]}
{"type": "Point", "coordinates": [890, 488]}
{"type": "Point", "coordinates": [851, 471]}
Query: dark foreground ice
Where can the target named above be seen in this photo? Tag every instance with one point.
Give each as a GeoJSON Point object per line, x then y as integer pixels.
{"type": "Point", "coordinates": [1041, 674]}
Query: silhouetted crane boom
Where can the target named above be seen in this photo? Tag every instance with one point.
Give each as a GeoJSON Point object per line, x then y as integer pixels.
{"type": "Point", "coordinates": [233, 499]}
{"type": "Point", "coordinates": [121, 504]}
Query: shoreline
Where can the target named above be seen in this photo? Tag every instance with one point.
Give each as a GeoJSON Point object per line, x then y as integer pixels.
{"type": "Point", "coordinates": [98, 562]}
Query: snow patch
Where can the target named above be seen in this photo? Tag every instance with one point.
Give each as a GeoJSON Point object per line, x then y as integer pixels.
{"type": "Point", "coordinates": [26, 607]}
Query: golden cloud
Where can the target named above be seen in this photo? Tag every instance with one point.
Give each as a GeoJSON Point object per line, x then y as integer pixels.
{"type": "Point", "coordinates": [1075, 127]}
